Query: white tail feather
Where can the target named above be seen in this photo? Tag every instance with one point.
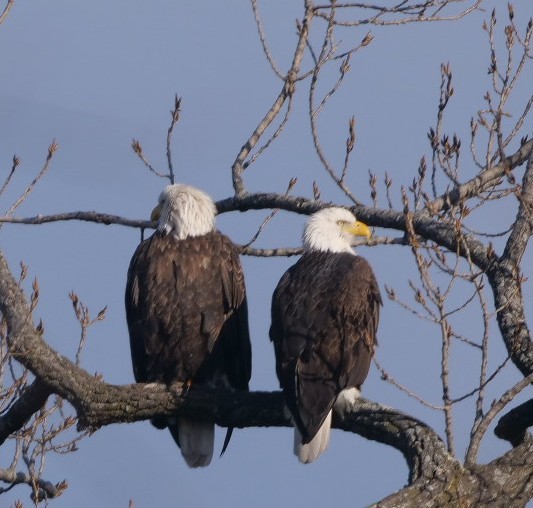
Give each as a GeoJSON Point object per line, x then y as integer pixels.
{"type": "Point", "coordinates": [309, 452]}
{"type": "Point", "coordinates": [197, 441]}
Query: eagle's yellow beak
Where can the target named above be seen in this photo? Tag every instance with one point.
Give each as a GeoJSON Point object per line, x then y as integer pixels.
{"type": "Point", "coordinates": [359, 229]}
{"type": "Point", "coordinates": [156, 213]}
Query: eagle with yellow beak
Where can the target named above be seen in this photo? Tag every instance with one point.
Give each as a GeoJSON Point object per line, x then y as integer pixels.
{"type": "Point", "coordinates": [325, 312]}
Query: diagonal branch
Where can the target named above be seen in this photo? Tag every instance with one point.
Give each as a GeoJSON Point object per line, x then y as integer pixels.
{"type": "Point", "coordinates": [506, 280]}
{"type": "Point", "coordinates": [522, 229]}
{"type": "Point", "coordinates": [481, 181]}
{"type": "Point", "coordinates": [32, 400]}
{"type": "Point", "coordinates": [7, 8]}
{"type": "Point", "coordinates": [286, 92]}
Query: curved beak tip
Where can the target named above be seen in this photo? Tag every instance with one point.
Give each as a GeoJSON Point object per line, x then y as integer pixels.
{"type": "Point", "coordinates": [361, 229]}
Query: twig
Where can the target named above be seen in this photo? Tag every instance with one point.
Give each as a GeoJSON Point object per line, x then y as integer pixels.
{"type": "Point", "coordinates": [414, 13]}
{"type": "Point", "coordinates": [51, 151]}
{"type": "Point", "coordinates": [16, 162]}
{"type": "Point", "coordinates": [481, 181]}
{"type": "Point", "coordinates": [7, 8]}
{"type": "Point", "coordinates": [175, 114]}
{"type": "Point", "coordinates": [385, 376]}
{"type": "Point", "coordinates": [485, 382]}
{"type": "Point", "coordinates": [270, 216]}
{"type": "Point", "coordinates": [262, 38]}
{"type": "Point", "coordinates": [137, 148]}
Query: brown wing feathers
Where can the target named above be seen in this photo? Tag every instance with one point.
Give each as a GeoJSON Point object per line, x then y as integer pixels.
{"type": "Point", "coordinates": [184, 300]}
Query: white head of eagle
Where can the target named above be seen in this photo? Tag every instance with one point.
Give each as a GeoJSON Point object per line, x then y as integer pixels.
{"type": "Point", "coordinates": [184, 212]}
{"type": "Point", "coordinates": [325, 312]}
{"type": "Point", "coordinates": [333, 230]}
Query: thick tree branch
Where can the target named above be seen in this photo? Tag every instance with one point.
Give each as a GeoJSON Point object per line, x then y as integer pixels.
{"type": "Point", "coordinates": [27, 346]}
{"type": "Point", "coordinates": [423, 450]}
{"type": "Point", "coordinates": [506, 280]}
{"type": "Point", "coordinates": [436, 230]}
{"type": "Point", "coordinates": [507, 481]}
{"type": "Point", "coordinates": [259, 201]}
{"type": "Point", "coordinates": [32, 400]}
{"type": "Point", "coordinates": [522, 229]}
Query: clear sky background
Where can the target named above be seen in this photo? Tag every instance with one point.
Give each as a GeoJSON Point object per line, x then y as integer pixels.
{"type": "Point", "coordinates": [94, 75]}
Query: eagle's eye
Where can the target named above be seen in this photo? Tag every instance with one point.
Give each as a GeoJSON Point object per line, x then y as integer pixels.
{"type": "Point", "coordinates": [341, 222]}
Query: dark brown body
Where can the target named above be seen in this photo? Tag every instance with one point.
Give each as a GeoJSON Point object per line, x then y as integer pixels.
{"type": "Point", "coordinates": [325, 312]}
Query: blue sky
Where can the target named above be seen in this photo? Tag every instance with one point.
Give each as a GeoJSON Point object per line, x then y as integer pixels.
{"type": "Point", "coordinates": [94, 75]}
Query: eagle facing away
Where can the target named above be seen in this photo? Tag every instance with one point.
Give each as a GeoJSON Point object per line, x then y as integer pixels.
{"type": "Point", "coordinates": [187, 312]}
{"type": "Point", "coordinates": [325, 312]}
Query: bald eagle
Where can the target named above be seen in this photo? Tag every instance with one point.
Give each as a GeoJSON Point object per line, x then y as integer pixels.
{"type": "Point", "coordinates": [187, 312]}
{"type": "Point", "coordinates": [325, 312]}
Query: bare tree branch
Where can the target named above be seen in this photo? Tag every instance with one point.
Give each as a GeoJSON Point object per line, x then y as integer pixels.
{"type": "Point", "coordinates": [31, 400]}
{"type": "Point", "coordinates": [523, 226]}
{"type": "Point", "coordinates": [408, 12]}
{"type": "Point", "coordinates": [51, 151]}
{"type": "Point", "coordinates": [42, 489]}
{"type": "Point", "coordinates": [6, 10]}
{"type": "Point", "coordinates": [481, 181]}
{"type": "Point", "coordinates": [97, 217]}
{"type": "Point", "coordinates": [286, 92]}
{"type": "Point", "coordinates": [497, 407]}
{"type": "Point", "coordinates": [175, 114]}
